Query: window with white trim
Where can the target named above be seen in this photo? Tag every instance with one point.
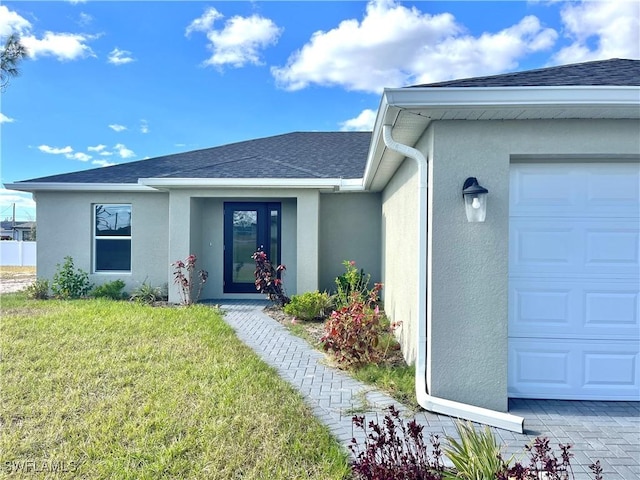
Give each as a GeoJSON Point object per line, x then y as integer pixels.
{"type": "Point", "coordinates": [112, 238]}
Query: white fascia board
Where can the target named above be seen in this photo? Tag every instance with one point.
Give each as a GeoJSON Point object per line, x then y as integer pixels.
{"type": "Point", "coordinates": [323, 183]}
{"type": "Point", "coordinates": [77, 187]}
{"type": "Point", "coordinates": [425, 97]}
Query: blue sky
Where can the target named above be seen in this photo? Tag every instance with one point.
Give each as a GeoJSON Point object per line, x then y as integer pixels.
{"type": "Point", "coordinates": [114, 81]}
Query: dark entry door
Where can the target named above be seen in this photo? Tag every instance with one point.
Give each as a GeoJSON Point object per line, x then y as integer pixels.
{"type": "Point", "coordinates": [247, 227]}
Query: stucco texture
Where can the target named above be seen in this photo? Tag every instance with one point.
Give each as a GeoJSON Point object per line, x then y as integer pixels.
{"type": "Point", "coordinates": [350, 226]}
{"type": "Point", "coordinates": [400, 267]}
{"type": "Point", "coordinates": [65, 226]}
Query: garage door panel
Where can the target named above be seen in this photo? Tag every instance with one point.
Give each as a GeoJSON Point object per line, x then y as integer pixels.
{"type": "Point", "coordinates": [560, 368]}
{"type": "Point", "coordinates": [574, 308]}
{"type": "Point", "coordinates": [541, 247]}
{"type": "Point", "coordinates": [619, 310]}
{"type": "Point", "coordinates": [531, 188]}
{"type": "Point", "coordinates": [576, 190]}
{"type": "Point", "coordinates": [618, 191]}
{"type": "Point", "coordinates": [612, 248]}
{"type": "Point", "coordinates": [601, 246]}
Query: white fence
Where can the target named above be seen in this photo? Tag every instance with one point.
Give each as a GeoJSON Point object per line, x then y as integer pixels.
{"type": "Point", "coordinates": [13, 253]}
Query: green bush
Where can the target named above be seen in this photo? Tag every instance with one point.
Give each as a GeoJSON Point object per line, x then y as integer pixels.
{"type": "Point", "coordinates": [352, 281]}
{"type": "Point", "coordinates": [146, 293]}
{"type": "Point", "coordinates": [309, 305]}
{"type": "Point", "coordinates": [69, 282]}
{"type": "Point", "coordinates": [38, 290]}
{"type": "Point", "coordinates": [112, 290]}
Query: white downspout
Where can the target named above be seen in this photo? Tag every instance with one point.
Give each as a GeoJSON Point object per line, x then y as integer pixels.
{"type": "Point", "coordinates": [426, 401]}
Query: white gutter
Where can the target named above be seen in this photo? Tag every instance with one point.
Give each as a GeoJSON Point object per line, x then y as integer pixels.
{"type": "Point", "coordinates": [426, 401]}
{"type": "Point", "coordinates": [77, 187]}
{"type": "Point", "coordinates": [500, 97]}
{"type": "Point", "coordinates": [323, 183]}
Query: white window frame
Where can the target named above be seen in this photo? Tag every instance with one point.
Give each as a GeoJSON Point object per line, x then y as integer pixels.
{"type": "Point", "coordinates": [114, 238]}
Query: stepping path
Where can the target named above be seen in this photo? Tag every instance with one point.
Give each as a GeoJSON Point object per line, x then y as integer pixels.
{"type": "Point", "coordinates": [605, 431]}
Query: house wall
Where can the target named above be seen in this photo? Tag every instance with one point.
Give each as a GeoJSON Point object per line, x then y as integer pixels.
{"type": "Point", "coordinates": [468, 273]}
{"type": "Point", "coordinates": [350, 225]}
{"type": "Point", "coordinates": [65, 226]}
{"type": "Point", "coordinates": [400, 264]}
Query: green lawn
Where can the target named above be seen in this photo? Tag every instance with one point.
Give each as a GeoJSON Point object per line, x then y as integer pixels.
{"type": "Point", "coordinates": [118, 390]}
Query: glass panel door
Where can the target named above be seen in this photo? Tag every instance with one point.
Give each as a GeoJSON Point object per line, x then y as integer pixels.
{"type": "Point", "coordinates": [247, 227]}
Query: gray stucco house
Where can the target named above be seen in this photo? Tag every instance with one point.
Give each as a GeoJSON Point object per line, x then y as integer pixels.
{"type": "Point", "coordinates": [540, 300]}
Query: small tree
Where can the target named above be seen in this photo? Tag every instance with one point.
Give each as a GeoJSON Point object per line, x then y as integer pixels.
{"type": "Point", "coordinates": [69, 282]}
{"type": "Point", "coordinates": [12, 53]}
{"type": "Point", "coordinates": [188, 293]}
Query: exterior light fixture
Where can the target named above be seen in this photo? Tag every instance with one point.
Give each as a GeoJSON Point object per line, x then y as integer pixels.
{"type": "Point", "coordinates": [475, 200]}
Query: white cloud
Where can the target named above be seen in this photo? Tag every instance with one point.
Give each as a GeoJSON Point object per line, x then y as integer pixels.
{"type": "Point", "coordinates": [11, 22]}
{"type": "Point", "coordinates": [394, 46]}
{"type": "Point", "coordinates": [239, 42]}
{"type": "Point", "coordinates": [55, 150]}
{"type": "Point", "coordinates": [144, 126]}
{"type": "Point", "coordinates": [120, 57]}
{"type": "Point", "coordinates": [102, 163]}
{"type": "Point", "coordinates": [106, 153]}
{"type": "Point", "coordinates": [117, 128]}
{"type": "Point", "coordinates": [98, 148]}
{"type": "Point", "coordinates": [63, 46]}
{"type": "Point", "coordinates": [84, 19]}
{"type": "Point", "coordinates": [205, 22]}
{"type": "Point", "coordinates": [82, 157]}
{"type": "Point", "coordinates": [5, 119]}
{"type": "Point", "coordinates": [123, 151]}
{"type": "Point", "coordinates": [600, 30]}
{"type": "Point", "coordinates": [363, 122]}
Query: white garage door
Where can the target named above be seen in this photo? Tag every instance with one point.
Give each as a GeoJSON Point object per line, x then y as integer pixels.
{"type": "Point", "coordinates": [574, 281]}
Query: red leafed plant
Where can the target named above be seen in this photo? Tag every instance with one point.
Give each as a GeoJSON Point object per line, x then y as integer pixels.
{"type": "Point", "coordinates": [188, 292]}
{"type": "Point", "coordinates": [268, 279]}
{"type": "Point", "coordinates": [352, 333]}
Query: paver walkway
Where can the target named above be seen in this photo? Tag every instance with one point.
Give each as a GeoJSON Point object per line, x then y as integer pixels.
{"type": "Point", "coordinates": [605, 431]}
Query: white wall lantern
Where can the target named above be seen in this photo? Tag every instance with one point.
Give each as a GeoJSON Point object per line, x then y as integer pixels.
{"type": "Point", "coordinates": [475, 200]}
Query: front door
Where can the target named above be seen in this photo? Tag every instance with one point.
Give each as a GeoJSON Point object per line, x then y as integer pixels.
{"type": "Point", "coordinates": [247, 227]}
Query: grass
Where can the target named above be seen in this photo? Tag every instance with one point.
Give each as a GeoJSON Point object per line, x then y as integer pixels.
{"type": "Point", "coordinates": [121, 390]}
{"type": "Point", "coordinates": [397, 380]}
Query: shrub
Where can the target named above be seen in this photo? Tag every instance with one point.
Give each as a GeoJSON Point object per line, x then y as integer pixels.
{"type": "Point", "coordinates": [147, 293]}
{"type": "Point", "coordinates": [352, 333]}
{"type": "Point", "coordinates": [188, 293]}
{"type": "Point", "coordinates": [476, 456]}
{"type": "Point", "coordinates": [69, 282]}
{"type": "Point", "coordinates": [268, 279]}
{"type": "Point", "coordinates": [112, 290]}
{"type": "Point", "coordinates": [38, 290]}
{"type": "Point", "coordinates": [543, 463]}
{"type": "Point", "coordinates": [350, 282]}
{"type": "Point", "coordinates": [395, 451]}
{"type": "Point", "coordinates": [309, 305]}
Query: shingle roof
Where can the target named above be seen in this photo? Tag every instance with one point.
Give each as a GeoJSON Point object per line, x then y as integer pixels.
{"type": "Point", "coordinates": [613, 72]}
{"type": "Point", "coordinates": [292, 155]}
